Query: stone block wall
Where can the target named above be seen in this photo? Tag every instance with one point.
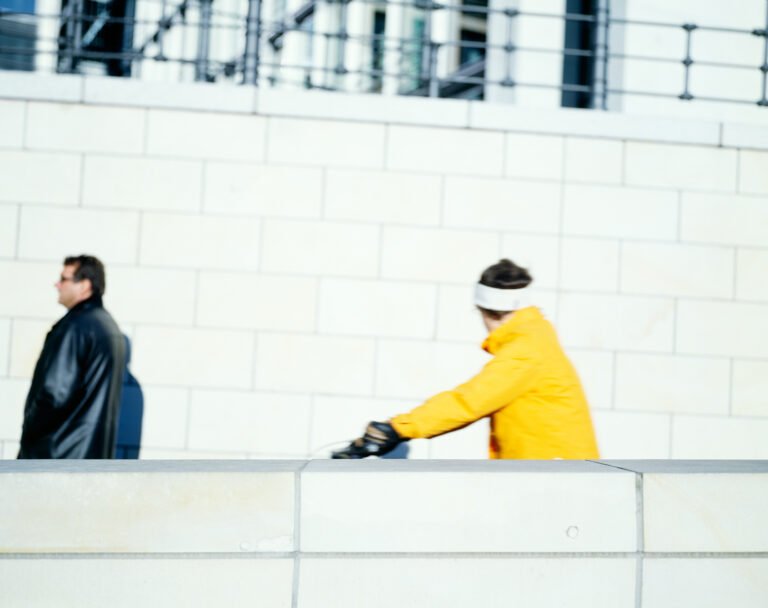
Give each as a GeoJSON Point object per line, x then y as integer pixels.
{"type": "Point", "coordinates": [290, 265]}
{"type": "Point", "coordinates": [297, 534]}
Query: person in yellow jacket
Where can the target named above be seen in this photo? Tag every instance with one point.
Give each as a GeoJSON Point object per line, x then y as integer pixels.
{"type": "Point", "coordinates": [530, 390]}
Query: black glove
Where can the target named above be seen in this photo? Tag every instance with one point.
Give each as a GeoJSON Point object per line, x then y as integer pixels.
{"type": "Point", "coordinates": [379, 439]}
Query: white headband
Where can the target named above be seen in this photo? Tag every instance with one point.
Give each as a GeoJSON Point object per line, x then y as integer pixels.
{"type": "Point", "coordinates": [502, 300]}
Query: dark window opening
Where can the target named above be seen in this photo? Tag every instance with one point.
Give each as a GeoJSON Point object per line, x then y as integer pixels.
{"type": "Point", "coordinates": [579, 58]}
{"type": "Point", "coordinates": [475, 50]}
{"type": "Point", "coordinates": [377, 50]}
{"type": "Point", "coordinates": [97, 33]}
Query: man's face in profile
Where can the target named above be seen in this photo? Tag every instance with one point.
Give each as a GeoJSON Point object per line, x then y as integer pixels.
{"type": "Point", "coordinates": [72, 292]}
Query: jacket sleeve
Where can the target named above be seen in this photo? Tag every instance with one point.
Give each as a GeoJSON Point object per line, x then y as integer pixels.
{"type": "Point", "coordinates": [499, 383]}
{"type": "Point", "coordinates": [57, 375]}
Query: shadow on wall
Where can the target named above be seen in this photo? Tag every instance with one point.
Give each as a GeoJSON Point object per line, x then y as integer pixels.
{"type": "Point", "coordinates": [131, 412]}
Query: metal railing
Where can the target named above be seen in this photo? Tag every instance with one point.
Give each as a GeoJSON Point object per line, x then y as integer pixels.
{"type": "Point", "coordinates": [413, 47]}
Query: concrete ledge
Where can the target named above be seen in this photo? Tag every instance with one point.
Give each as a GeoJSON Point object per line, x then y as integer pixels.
{"type": "Point", "coordinates": [441, 533]}
{"type": "Point", "coordinates": [450, 113]}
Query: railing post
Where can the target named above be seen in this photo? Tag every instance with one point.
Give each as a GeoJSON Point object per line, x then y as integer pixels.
{"type": "Point", "coordinates": [687, 62]}
{"type": "Point", "coordinates": [252, 43]}
{"type": "Point", "coordinates": [764, 67]}
{"type": "Point", "coordinates": [509, 46]}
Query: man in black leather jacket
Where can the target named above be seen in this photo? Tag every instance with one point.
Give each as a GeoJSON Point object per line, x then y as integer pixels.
{"type": "Point", "coordinates": [73, 404]}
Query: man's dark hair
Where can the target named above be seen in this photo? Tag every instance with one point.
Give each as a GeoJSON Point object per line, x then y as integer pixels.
{"type": "Point", "coordinates": [505, 274]}
{"type": "Point", "coordinates": [89, 267]}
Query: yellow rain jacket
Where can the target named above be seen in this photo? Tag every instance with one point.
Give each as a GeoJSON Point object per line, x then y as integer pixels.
{"type": "Point", "coordinates": [529, 389]}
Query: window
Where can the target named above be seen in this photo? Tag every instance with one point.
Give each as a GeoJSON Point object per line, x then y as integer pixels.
{"type": "Point", "coordinates": [579, 59]}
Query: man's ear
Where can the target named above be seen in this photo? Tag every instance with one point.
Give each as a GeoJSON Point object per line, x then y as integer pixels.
{"type": "Point", "coordinates": [87, 287]}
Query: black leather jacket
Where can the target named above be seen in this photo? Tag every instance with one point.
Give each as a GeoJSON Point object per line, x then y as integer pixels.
{"type": "Point", "coordinates": [74, 401]}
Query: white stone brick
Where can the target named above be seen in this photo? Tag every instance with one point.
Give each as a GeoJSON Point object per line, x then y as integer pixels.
{"type": "Point", "coordinates": [677, 270]}
{"type": "Point", "coordinates": [205, 96]}
{"type": "Point", "coordinates": [469, 443]}
{"type": "Point", "coordinates": [418, 370]}
{"type": "Point", "coordinates": [705, 582]}
{"type": "Point", "coordinates": [722, 328]}
{"type": "Point", "coordinates": [624, 436]}
{"type": "Point", "coordinates": [75, 127]}
{"type": "Point", "coordinates": [213, 511]}
{"type": "Point", "coordinates": [151, 295]}
{"type": "Point", "coordinates": [753, 172]}
{"type": "Point", "coordinates": [10, 449]}
{"type": "Point", "coordinates": [589, 264]}
{"type": "Point", "coordinates": [199, 241]}
{"type": "Point", "coordinates": [445, 150]}
{"type": "Point", "coordinates": [519, 206]}
{"type": "Point", "coordinates": [37, 85]}
{"type": "Point", "coordinates": [245, 189]}
{"type": "Point", "coordinates": [672, 166]}
{"type": "Point", "coordinates": [714, 512]}
{"type": "Point", "coordinates": [40, 177]}
{"type": "Point", "coordinates": [616, 322]}
{"type": "Point", "coordinates": [457, 316]}
{"type": "Point", "coordinates": [193, 357]}
{"type": "Point", "coordinates": [749, 396]}
{"type": "Point", "coordinates": [250, 422]}
{"type": "Point", "coordinates": [11, 124]}
{"type": "Point", "coordinates": [27, 338]}
{"type": "Point", "coordinates": [142, 183]}
{"type": "Point", "coordinates": [656, 383]}
{"type": "Point", "coordinates": [383, 197]}
{"type": "Point", "coordinates": [338, 420]}
{"type": "Point", "coordinates": [177, 454]}
{"type": "Point", "coordinates": [376, 308]}
{"type": "Point", "coordinates": [490, 582]}
{"type": "Point", "coordinates": [5, 345]}
{"type": "Point", "coordinates": [599, 161]}
{"type": "Point", "coordinates": [573, 121]}
{"type": "Point", "coordinates": [595, 371]}
{"type": "Point", "coordinates": [315, 103]}
{"type": "Point", "coordinates": [38, 298]}
{"type": "Point", "coordinates": [735, 135]}
{"type": "Point", "coordinates": [539, 254]}
{"type": "Point", "coordinates": [166, 412]}
{"type": "Point", "coordinates": [751, 272]}
{"type": "Point", "coordinates": [325, 143]}
{"type": "Point", "coordinates": [731, 220]}
{"type": "Point", "coordinates": [312, 248]}
{"type": "Point", "coordinates": [620, 212]}
{"type": "Point", "coordinates": [13, 395]}
{"type": "Point", "coordinates": [193, 583]}
{"type": "Point", "coordinates": [256, 302]}
{"type": "Point", "coordinates": [8, 228]}
{"type": "Point", "coordinates": [321, 364]}
{"type": "Point", "coordinates": [50, 233]}
{"type": "Point", "coordinates": [534, 156]}
{"type": "Point", "coordinates": [457, 507]}
{"type": "Point", "coordinates": [206, 135]}
{"type": "Point", "coordinates": [451, 256]}
{"type": "Point", "coordinates": [699, 437]}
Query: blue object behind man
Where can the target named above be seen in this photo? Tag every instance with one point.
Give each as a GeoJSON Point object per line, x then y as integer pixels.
{"type": "Point", "coordinates": [131, 412]}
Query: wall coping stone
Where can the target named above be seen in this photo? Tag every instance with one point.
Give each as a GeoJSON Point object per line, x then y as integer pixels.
{"type": "Point", "coordinates": [374, 466]}
{"type": "Point", "coordinates": [424, 112]}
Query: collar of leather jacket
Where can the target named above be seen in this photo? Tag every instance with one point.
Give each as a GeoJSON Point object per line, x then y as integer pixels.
{"type": "Point", "coordinates": [89, 304]}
